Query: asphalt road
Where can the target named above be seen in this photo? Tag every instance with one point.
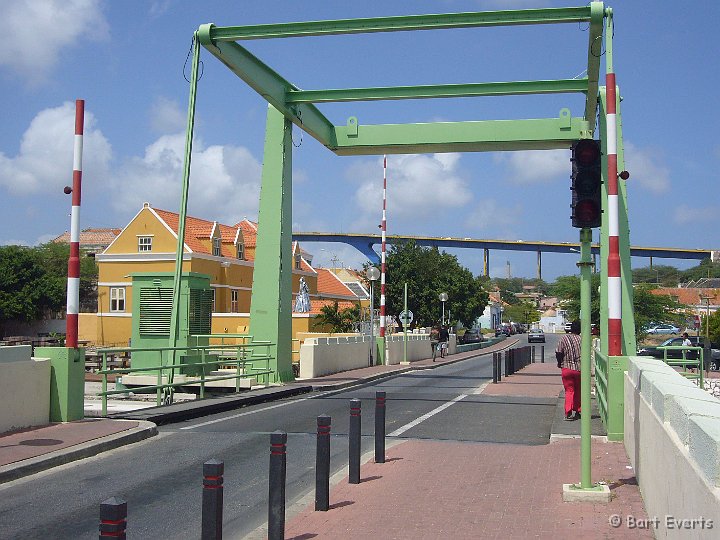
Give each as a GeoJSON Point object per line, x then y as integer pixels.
{"type": "Point", "coordinates": [161, 478]}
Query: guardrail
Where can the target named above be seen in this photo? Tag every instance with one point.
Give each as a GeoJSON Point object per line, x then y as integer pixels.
{"type": "Point", "coordinates": [609, 389]}
{"type": "Point", "coordinates": [237, 355]}
{"type": "Point", "coordinates": [698, 362]}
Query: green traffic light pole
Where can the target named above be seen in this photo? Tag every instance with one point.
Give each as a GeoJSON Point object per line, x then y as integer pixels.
{"type": "Point", "coordinates": [585, 265]}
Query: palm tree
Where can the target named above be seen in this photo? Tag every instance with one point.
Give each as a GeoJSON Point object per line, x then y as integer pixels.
{"type": "Point", "coordinates": [339, 320]}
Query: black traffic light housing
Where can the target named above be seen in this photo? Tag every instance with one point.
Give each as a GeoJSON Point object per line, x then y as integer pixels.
{"type": "Point", "coordinates": [586, 182]}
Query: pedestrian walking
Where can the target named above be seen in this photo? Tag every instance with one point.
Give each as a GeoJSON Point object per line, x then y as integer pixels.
{"type": "Point", "coordinates": [568, 360]}
{"type": "Point", "coordinates": [443, 339]}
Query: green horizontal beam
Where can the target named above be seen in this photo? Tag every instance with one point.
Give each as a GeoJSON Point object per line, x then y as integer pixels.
{"type": "Point", "coordinates": [269, 84]}
{"type": "Point", "coordinates": [402, 23]}
{"type": "Point", "coordinates": [563, 86]}
{"type": "Point", "coordinates": [482, 136]}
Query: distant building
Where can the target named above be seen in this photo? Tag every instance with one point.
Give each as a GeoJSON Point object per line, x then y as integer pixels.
{"type": "Point", "coordinates": [700, 300]}
{"type": "Point", "coordinates": [92, 241]}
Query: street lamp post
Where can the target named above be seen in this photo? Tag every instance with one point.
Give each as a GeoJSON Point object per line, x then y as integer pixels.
{"type": "Point", "coordinates": [443, 298]}
{"type": "Point", "coordinates": [372, 274]}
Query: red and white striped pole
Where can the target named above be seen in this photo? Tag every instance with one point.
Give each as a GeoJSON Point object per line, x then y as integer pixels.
{"type": "Point", "coordinates": [383, 228]}
{"type": "Point", "coordinates": [613, 264]}
{"type": "Point", "coordinates": [73, 286]}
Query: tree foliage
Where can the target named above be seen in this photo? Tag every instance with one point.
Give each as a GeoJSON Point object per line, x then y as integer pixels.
{"type": "Point", "coordinates": [338, 320]}
{"type": "Point", "coordinates": [429, 272]}
{"type": "Point", "coordinates": [523, 312]}
{"type": "Point", "coordinates": [33, 281]}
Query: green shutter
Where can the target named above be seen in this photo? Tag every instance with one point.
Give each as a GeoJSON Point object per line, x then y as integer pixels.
{"type": "Point", "coordinates": [155, 311]}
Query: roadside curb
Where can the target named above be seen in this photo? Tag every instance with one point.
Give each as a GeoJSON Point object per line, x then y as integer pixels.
{"type": "Point", "coordinates": [195, 409]}
{"type": "Point", "coordinates": [14, 471]}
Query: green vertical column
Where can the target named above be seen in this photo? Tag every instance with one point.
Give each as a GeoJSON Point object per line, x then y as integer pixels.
{"type": "Point", "coordinates": [271, 304]}
{"type": "Point", "coordinates": [585, 265]}
{"type": "Point", "coordinates": [67, 382]}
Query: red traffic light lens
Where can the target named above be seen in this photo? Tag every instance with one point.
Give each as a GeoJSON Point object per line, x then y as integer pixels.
{"type": "Point", "coordinates": [587, 211]}
{"type": "Point", "coordinates": [587, 152]}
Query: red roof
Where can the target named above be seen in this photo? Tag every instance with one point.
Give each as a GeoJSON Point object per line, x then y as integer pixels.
{"type": "Point", "coordinates": [197, 229]}
{"type": "Point", "coordinates": [91, 237]}
{"type": "Point", "coordinates": [328, 284]}
{"type": "Point", "coordinates": [690, 296]}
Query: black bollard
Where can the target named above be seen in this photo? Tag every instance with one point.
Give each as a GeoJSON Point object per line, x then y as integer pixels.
{"type": "Point", "coordinates": [507, 363]}
{"type": "Point", "coordinates": [512, 361]}
{"type": "Point", "coordinates": [542, 354]}
{"type": "Point", "coordinates": [276, 495]}
{"type": "Point", "coordinates": [495, 368]}
{"type": "Point", "coordinates": [354, 442]}
{"type": "Point", "coordinates": [212, 500]}
{"type": "Point", "coordinates": [322, 464]}
{"type": "Point", "coordinates": [533, 354]}
{"type": "Point", "coordinates": [499, 366]}
{"type": "Point", "coordinates": [113, 516]}
{"type": "Point", "coordinates": [379, 427]}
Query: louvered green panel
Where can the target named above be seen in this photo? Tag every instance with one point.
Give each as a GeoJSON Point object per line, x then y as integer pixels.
{"type": "Point", "coordinates": [199, 311]}
{"type": "Point", "coordinates": [155, 311]}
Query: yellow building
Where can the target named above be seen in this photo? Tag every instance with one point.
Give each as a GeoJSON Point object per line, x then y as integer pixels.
{"type": "Point", "coordinates": [225, 253]}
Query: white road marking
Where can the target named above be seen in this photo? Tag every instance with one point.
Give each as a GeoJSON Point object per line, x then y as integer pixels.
{"type": "Point", "coordinates": [424, 417]}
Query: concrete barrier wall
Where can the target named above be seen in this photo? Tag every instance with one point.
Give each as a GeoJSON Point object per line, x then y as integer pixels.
{"type": "Point", "coordinates": [24, 389]}
{"type": "Point", "coordinates": [327, 355]}
{"type": "Point", "coordinates": [672, 437]}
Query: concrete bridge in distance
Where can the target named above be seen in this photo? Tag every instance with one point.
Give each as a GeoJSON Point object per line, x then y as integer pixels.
{"type": "Point", "coordinates": [365, 242]}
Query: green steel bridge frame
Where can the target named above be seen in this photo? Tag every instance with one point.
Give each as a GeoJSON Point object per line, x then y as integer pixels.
{"type": "Point", "coordinates": [271, 309]}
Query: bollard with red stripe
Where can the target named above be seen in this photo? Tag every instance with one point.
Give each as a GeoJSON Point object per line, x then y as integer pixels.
{"type": "Point", "coordinates": [379, 427]}
{"type": "Point", "coordinates": [276, 485]}
{"type": "Point", "coordinates": [322, 464]}
{"type": "Point", "coordinates": [212, 500]}
{"type": "Point", "coordinates": [354, 442]}
{"type": "Point", "coordinates": [113, 519]}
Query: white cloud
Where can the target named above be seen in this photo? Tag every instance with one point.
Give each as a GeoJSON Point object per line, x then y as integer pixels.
{"type": "Point", "coordinates": [45, 160]}
{"type": "Point", "coordinates": [35, 32]}
{"type": "Point", "coordinates": [535, 166]}
{"type": "Point", "coordinates": [224, 180]}
{"type": "Point", "coordinates": [646, 169]}
{"type": "Point", "coordinates": [489, 215]}
{"type": "Point", "coordinates": [417, 185]}
{"type": "Point", "coordinates": [685, 214]}
{"type": "Point", "coordinates": [166, 116]}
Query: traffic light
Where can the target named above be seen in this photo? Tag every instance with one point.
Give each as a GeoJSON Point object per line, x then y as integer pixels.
{"type": "Point", "coordinates": [586, 181]}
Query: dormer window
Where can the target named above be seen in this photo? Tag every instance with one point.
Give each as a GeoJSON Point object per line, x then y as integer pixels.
{"type": "Point", "coordinates": [216, 246]}
{"type": "Point", "coordinates": [298, 265]}
{"type": "Point", "coordinates": [241, 251]}
{"type": "Point", "coordinates": [144, 243]}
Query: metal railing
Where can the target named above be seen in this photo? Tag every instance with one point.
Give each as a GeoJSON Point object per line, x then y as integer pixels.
{"type": "Point", "coordinates": [609, 390]}
{"type": "Point", "coordinates": [685, 362]}
{"type": "Point", "coordinates": [238, 355]}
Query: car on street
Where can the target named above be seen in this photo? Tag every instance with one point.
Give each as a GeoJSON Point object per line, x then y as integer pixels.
{"type": "Point", "coordinates": [536, 335]}
{"type": "Point", "coordinates": [472, 335]}
{"type": "Point", "coordinates": [503, 328]}
{"type": "Point", "coordinates": [657, 352]}
{"type": "Point", "coordinates": [664, 329]}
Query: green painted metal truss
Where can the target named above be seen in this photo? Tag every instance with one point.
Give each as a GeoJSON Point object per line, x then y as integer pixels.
{"type": "Point", "coordinates": [298, 105]}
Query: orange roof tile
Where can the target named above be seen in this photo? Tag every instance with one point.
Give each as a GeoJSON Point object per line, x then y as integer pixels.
{"type": "Point", "coordinates": [316, 304]}
{"type": "Point", "coordinates": [328, 284]}
{"type": "Point", "coordinates": [689, 295]}
{"type": "Point", "coordinates": [94, 237]}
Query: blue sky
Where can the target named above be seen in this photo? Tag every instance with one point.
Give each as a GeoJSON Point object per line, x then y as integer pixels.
{"type": "Point", "coordinates": [126, 60]}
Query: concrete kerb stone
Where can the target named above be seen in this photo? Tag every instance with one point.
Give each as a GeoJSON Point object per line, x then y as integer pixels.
{"type": "Point", "coordinates": [639, 365]}
{"type": "Point", "coordinates": [14, 471]}
{"type": "Point", "coordinates": [599, 493]}
{"type": "Point", "coordinates": [662, 390]}
{"type": "Point", "coordinates": [680, 410]}
{"type": "Point", "coordinates": [704, 447]}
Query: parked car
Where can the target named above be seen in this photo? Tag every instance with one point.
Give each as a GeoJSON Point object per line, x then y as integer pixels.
{"type": "Point", "coordinates": [503, 328]}
{"type": "Point", "coordinates": [472, 335]}
{"type": "Point", "coordinates": [664, 329]}
{"type": "Point", "coordinates": [536, 335]}
{"type": "Point", "coordinates": [657, 352]}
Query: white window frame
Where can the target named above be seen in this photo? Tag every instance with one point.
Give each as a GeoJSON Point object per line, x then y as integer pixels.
{"type": "Point", "coordinates": [213, 300]}
{"type": "Point", "coordinates": [240, 251]}
{"type": "Point", "coordinates": [117, 299]}
{"type": "Point", "coordinates": [234, 296]}
{"type": "Point", "coordinates": [217, 246]}
{"type": "Point", "coordinates": [144, 243]}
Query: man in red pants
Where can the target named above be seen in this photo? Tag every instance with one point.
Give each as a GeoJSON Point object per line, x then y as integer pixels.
{"type": "Point", "coordinates": [568, 359]}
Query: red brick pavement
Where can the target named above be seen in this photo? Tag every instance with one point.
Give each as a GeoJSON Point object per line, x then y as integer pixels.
{"type": "Point", "coordinates": [433, 489]}
{"type": "Point", "coordinates": [534, 380]}
{"type": "Point", "coordinates": [29, 443]}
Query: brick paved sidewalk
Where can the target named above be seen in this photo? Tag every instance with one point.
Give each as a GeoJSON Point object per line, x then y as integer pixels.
{"type": "Point", "coordinates": [433, 489]}
{"type": "Point", "coordinates": [534, 380]}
